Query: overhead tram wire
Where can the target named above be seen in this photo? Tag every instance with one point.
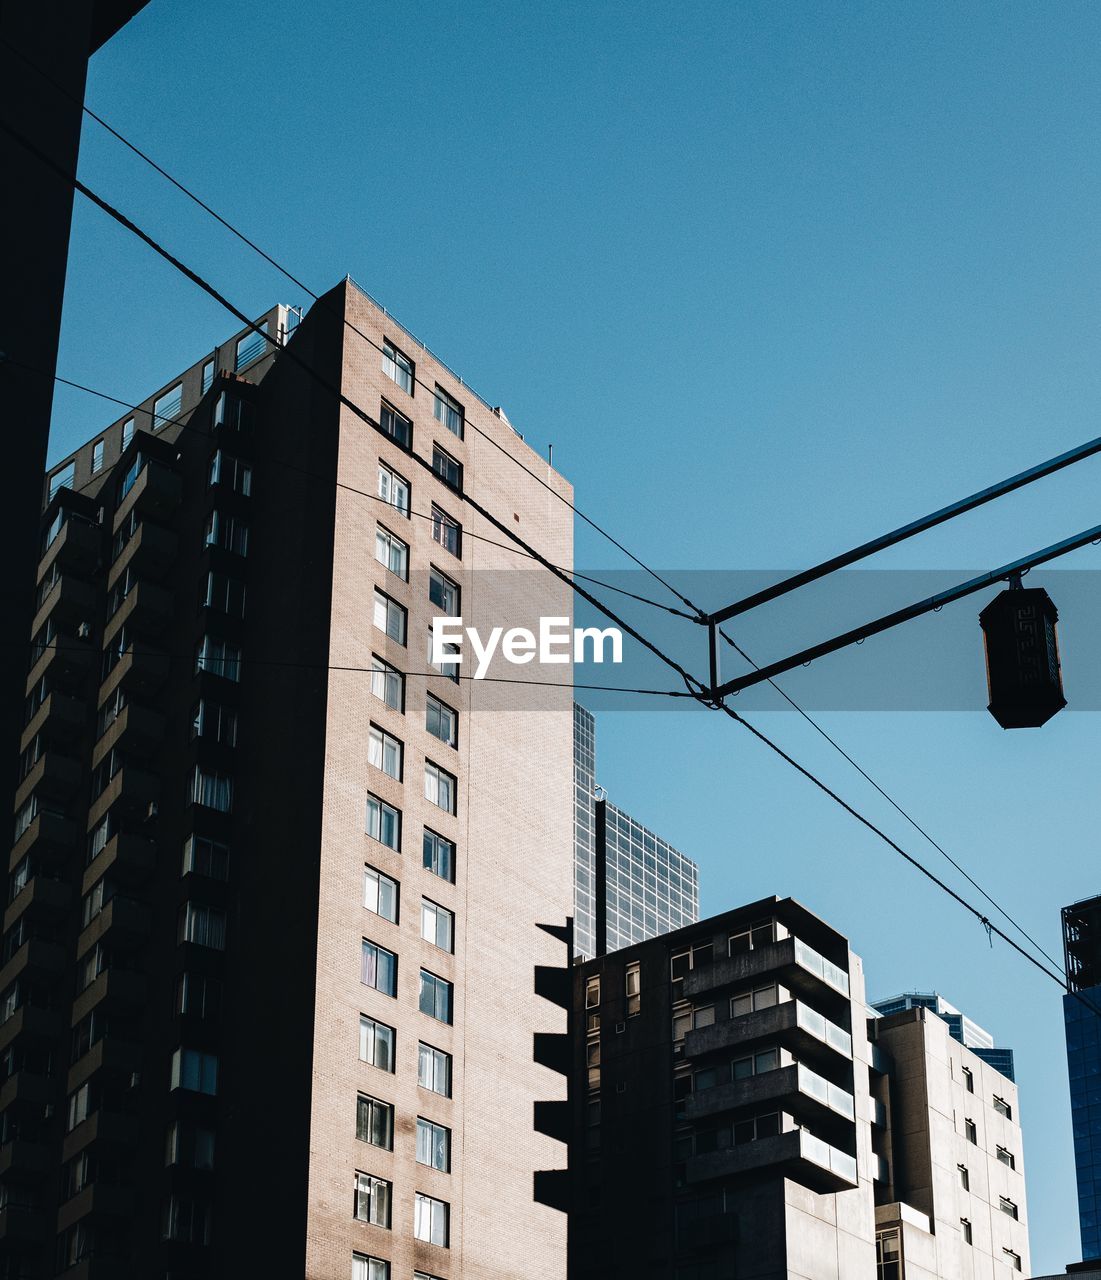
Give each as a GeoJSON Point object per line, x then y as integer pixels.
{"type": "Point", "coordinates": [293, 358]}
{"type": "Point", "coordinates": [327, 480]}
{"type": "Point", "coordinates": [891, 800]}
{"type": "Point", "coordinates": [697, 613]}
{"type": "Point", "coordinates": [694, 686]}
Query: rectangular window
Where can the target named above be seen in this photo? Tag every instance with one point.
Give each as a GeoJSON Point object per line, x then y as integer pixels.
{"type": "Point", "coordinates": [214, 722]}
{"type": "Point", "coordinates": [167, 407]}
{"type": "Point", "coordinates": [380, 894]}
{"type": "Point", "coordinates": [443, 593]}
{"type": "Point", "coordinates": [435, 996]}
{"type": "Point", "coordinates": [127, 432]}
{"type": "Point", "coordinates": [965, 1230]}
{"type": "Point", "coordinates": [440, 787]}
{"type": "Point", "coordinates": [205, 857]}
{"type": "Point", "coordinates": [965, 1177]}
{"type": "Point", "coordinates": [968, 1080]}
{"type": "Point", "coordinates": [437, 925]}
{"type": "Point", "coordinates": [384, 752]}
{"type": "Point", "coordinates": [434, 1070]}
{"type": "Point", "coordinates": [383, 823]}
{"type": "Point", "coordinates": [376, 1043]}
{"type": "Point", "coordinates": [375, 1122]}
{"type": "Point", "coordinates": [379, 968]}
{"type": "Point", "coordinates": [219, 658]}
{"type": "Point", "coordinates": [1007, 1206]}
{"type": "Point", "coordinates": [431, 1220]}
{"type": "Point", "coordinates": [397, 365]}
{"type": "Point", "coordinates": [393, 489]}
{"type": "Point", "coordinates": [448, 411]}
{"type": "Point", "coordinates": [447, 531]}
{"type": "Point", "coordinates": [212, 789]}
{"type": "Point", "coordinates": [97, 456]}
{"type": "Point", "coordinates": [448, 665]}
{"type": "Point", "coordinates": [365, 1268]}
{"type": "Point", "coordinates": [204, 926]}
{"type": "Point", "coordinates": [62, 479]}
{"type": "Point", "coordinates": [198, 996]}
{"type": "Point", "coordinates": [592, 993]}
{"type": "Point", "coordinates": [396, 425]}
{"type": "Point", "coordinates": [225, 594]}
{"type": "Point", "coordinates": [1003, 1108]}
{"type": "Point", "coordinates": [433, 1145]}
{"type": "Point", "coordinates": [195, 1071]}
{"type": "Point", "coordinates": [439, 856]}
{"type": "Point", "coordinates": [970, 1132]}
{"type": "Point", "coordinates": [372, 1200]}
{"type": "Point", "coordinates": [1006, 1157]}
{"type": "Point", "coordinates": [633, 980]}
{"type": "Point", "coordinates": [449, 469]}
{"type": "Point", "coordinates": [390, 617]}
{"type": "Point", "coordinates": [232, 472]}
{"type": "Point", "coordinates": [252, 346]}
{"type": "Point", "coordinates": [189, 1145]}
{"type": "Point", "coordinates": [1012, 1259]}
{"type": "Point", "coordinates": [392, 552]}
{"type": "Point", "coordinates": [751, 1001]}
{"type": "Point", "coordinates": [229, 532]}
{"type": "Point", "coordinates": [185, 1220]}
{"type": "Point", "coordinates": [208, 376]}
{"type": "Point", "coordinates": [442, 721]}
{"type": "Point", "coordinates": [387, 683]}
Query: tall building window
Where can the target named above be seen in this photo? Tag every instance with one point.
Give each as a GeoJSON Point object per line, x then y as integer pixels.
{"type": "Point", "coordinates": [62, 478]}
{"type": "Point", "coordinates": [366, 1268]}
{"type": "Point", "coordinates": [449, 469]}
{"type": "Point", "coordinates": [383, 823]}
{"type": "Point", "coordinates": [208, 376]}
{"type": "Point", "coordinates": [189, 1145]}
{"type": "Point", "coordinates": [448, 665]}
{"type": "Point", "coordinates": [214, 722]}
{"type": "Point", "coordinates": [226, 531]}
{"type": "Point", "coordinates": [1012, 1259]}
{"type": "Point", "coordinates": [965, 1230]}
{"type": "Point", "coordinates": [195, 1071]}
{"type": "Point", "coordinates": [592, 992]}
{"type": "Point", "coordinates": [633, 983]}
{"type": "Point", "coordinates": [1003, 1108]}
{"type": "Point", "coordinates": [127, 432]}
{"type": "Point", "coordinates": [252, 346]}
{"type": "Point", "coordinates": [970, 1132]}
{"type": "Point", "coordinates": [219, 658]}
{"type": "Point", "coordinates": [449, 411]}
{"type": "Point", "coordinates": [167, 406]}
{"type": "Point", "coordinates": [198, 996]}
{"type": "Point", "coordinates": [888, 1255]}
{"type": "Point", "coordinates": [447, 531]}
{"type": "Point", "coordinates": [384, 751]}
{"type": "Point", "coordinates": [97, 456]}
{"type": "Point", "coordinates": [431, 1220]}
{"type": "Point", "coordinates": [202, 925]}
{"type": "Point", "coordinates": [376, 1043]}
{"type": "Point", "coordinates": [433, 1145]}
{"type": "Point", "coordinates": [434, 1069]}
{"type": "Point", "coordinates": [392, 552]}
{"type": "Point", "coordinates": [965, 1177]}
{"type": "Point", "coordinates": [380, 894]}
{"type": "Point", "coordinates": [372, 1200]}
{"type": "Point", "coordinates": [225, 594]}
{"type": "Point", "coordinates": [439, 856]}
{"type": "Point", "coordinates": [393, 488]}
{"type": "Point", "coordinates": [969, 1080]}
{"type": "Point", "coordinates": [437, 925]}
{"type": "Point", "coordinates": [186, 1220]}
{"type": "Point", "coordinates": [205, 857]}
{"type": "Point", "coordinates": [751, 1001]}
{"type": "Point", "coordinates": [397, 365]}
{"type": "Point", "coordinates": [440, 787]}
{"type": "Point", "coordinates": [435, 996]}
{"type": "Point", "coordinates": [387, 683]}
{"type": "Point", "coordinates": [1006, 1157]}
{"type": "Point", "coordinates": [379, 968]}
{"type": "Point", "coordinates": [396, 425]}
{"type": "Point", "coordinates": [441, 721]}
{"type": "Point", "coordinates": [443, 593]}
{"type": "Point", "coordinates": [1007, 1206]}
{"type": "Point", "coordinates": [390, 616]}
{"type": "Point", "coordinates": [375, 1122]}
{"type": "Point", "coordinates": [232, 413]}
{"type": "Point", "coordinates": [757, 935]}
{"type": "Point", "coordinates": [212, 789]}
{"type": "Point", "coordinates": [227, 470]}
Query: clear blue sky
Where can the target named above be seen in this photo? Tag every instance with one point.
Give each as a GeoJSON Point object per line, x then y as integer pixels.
{"type": "Point", "coordinates": [772, 277]}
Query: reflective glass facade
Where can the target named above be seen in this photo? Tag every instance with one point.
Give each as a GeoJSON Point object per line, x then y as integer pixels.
{"type": "Point", "coordinates": [584, 832]}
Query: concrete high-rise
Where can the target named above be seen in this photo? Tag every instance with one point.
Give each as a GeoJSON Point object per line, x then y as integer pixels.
{"type": "Point", "coordinates": [1082, 1020]}
{"type": "Point", "coordinates": [630, 884]}
{"type": "Point", "coordinates": [962, 1028]}
{"type": "Point", "coordinates": [266, 1002]}
{"type": "Point", "coordinates": [739, 1110]}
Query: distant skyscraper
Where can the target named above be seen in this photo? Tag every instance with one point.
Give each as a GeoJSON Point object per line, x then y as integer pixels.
{"type": "Point", "coordinates": [629, 884]}
{"type": "Point", "coordinates": [960, 1026]}
{"type": "Point", "coordinates": [1082, 1018]}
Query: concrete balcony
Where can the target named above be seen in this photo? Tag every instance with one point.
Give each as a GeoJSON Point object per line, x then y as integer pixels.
{"type": "Point", "coordinates": [34, 1024]}
{"type": "Point", "coordinates": [132, 789]}
{"type": "Point", "coordinates": [141, 670]}
{"type": "Point", "coordinates": [136, 729]}
{"type": "Point", "coordinates": [26, 1161]}
{"type": "Point", "coordinates": [117, 989]}
{"type": "Point", "coordinates": [796, 1089]}
{"type": "Point", "coordinates": [151, 552]}
{"type": "Point", "coordinates": [68, 661]}
{"type": "Point", "coordinates": [40, 898]}
{"type": "Point", "coordinates": [157, 491]}
{"type": "Point", "coordinates": [111, 1128]}
{"type": "Point", "coordinates": [123, 923]}
{"type": "Point", "coordinates": [104, 1201]}
{"type": "Point", "coordinates": [59, 719]}
{"type": "Point", "coordinates": [76, 549]}
{"type": "Point", "coordinates": [792, 1024]}
{"type": "Point", "coordinates": [53, 776]}
{"type": "Point", "coordinates": [109, 1057]}
{"type": "Point", "coordinates": [36, 958]}
{"type": "Point", "coordinates": [49, 836]}
{"type": "Point", "coordinates": [797, 1155]}
{"type": "Point", "coordinates": [28, 1088]}
{"type": "Point", "coordinates": [790, 961]}
{"type": "Point", "coordinates": [147, 610]}
{"type": "Point", "coordinates": [129, 858]}
{"type": "Point", "coordinates": [70, 602]}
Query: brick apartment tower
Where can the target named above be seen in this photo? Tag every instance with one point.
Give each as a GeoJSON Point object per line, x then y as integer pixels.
{"type": "Point", "coordinates": [267, 994]}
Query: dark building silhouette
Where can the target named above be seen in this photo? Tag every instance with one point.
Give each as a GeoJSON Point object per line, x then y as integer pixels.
{"type": "Point", "coordinates": [1082, 1020]}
